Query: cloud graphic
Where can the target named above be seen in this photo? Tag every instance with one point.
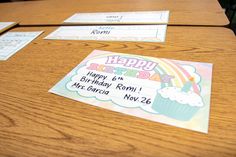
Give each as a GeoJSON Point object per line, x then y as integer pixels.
{"type": "Point", "coordinates": [125, 91]}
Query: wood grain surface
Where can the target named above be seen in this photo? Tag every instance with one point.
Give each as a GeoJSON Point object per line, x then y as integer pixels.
{"type": "Point", "coordinates": [34, 122]}
{"type": "Point", "coordinates": [192, 12]}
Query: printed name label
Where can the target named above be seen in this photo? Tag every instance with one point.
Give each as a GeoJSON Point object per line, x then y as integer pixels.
{"type": "Point", "coordinates": [139, 17]}
{"type": "Point", "coordinates": [148, 33]}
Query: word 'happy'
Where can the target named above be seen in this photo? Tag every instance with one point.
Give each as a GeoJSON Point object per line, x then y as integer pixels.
{"type": "Point", "coordinates": [131, 62]}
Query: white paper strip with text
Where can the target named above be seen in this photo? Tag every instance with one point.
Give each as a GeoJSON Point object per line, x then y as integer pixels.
{"type": "Point", "coordinates": [148, 33]}
{"type": "Point", "coordinates": [139, 17]}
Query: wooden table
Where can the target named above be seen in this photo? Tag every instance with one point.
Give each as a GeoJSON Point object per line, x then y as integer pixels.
{"type": "Point", "coordinates": [184, 12]}
{"type": "Point", "coordinates": [34, 122]}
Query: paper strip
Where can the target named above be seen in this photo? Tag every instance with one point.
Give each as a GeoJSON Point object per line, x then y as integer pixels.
{"type": "Point", "coordinates": [148, 33]}
{"type": "Point", "coordinates": [139, 17]}
{"type": "Point", "coordinates": [6, 25]}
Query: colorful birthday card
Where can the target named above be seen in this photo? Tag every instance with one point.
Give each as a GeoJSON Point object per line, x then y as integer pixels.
{"type": "Point", "coordinates": [157, 89]}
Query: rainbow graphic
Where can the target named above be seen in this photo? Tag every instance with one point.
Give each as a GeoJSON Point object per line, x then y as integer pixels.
{"type": "Point", "coordinates": [181, 75]}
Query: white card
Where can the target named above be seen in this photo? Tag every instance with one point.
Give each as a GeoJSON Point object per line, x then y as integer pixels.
{"type": "Point", "coordinates": [5, 25]}
{"type": "Point", "coordinates": [11, 42]}
{"type": "Point", "coordinates": [139, 17]}
{"type": "Point", "coordinates": [148, 33]}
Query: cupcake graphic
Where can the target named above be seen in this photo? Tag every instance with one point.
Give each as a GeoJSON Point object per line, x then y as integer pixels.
{"type": "Point", "coordinates": [178, 103]}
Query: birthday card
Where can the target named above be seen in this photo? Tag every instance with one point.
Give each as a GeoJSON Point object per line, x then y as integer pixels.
{"type": "Point", "coordinates": [162, 90]}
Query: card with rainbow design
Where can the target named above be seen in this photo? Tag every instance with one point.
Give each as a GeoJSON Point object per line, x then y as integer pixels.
{"type": "Point", "coordinates": [162, 90]}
